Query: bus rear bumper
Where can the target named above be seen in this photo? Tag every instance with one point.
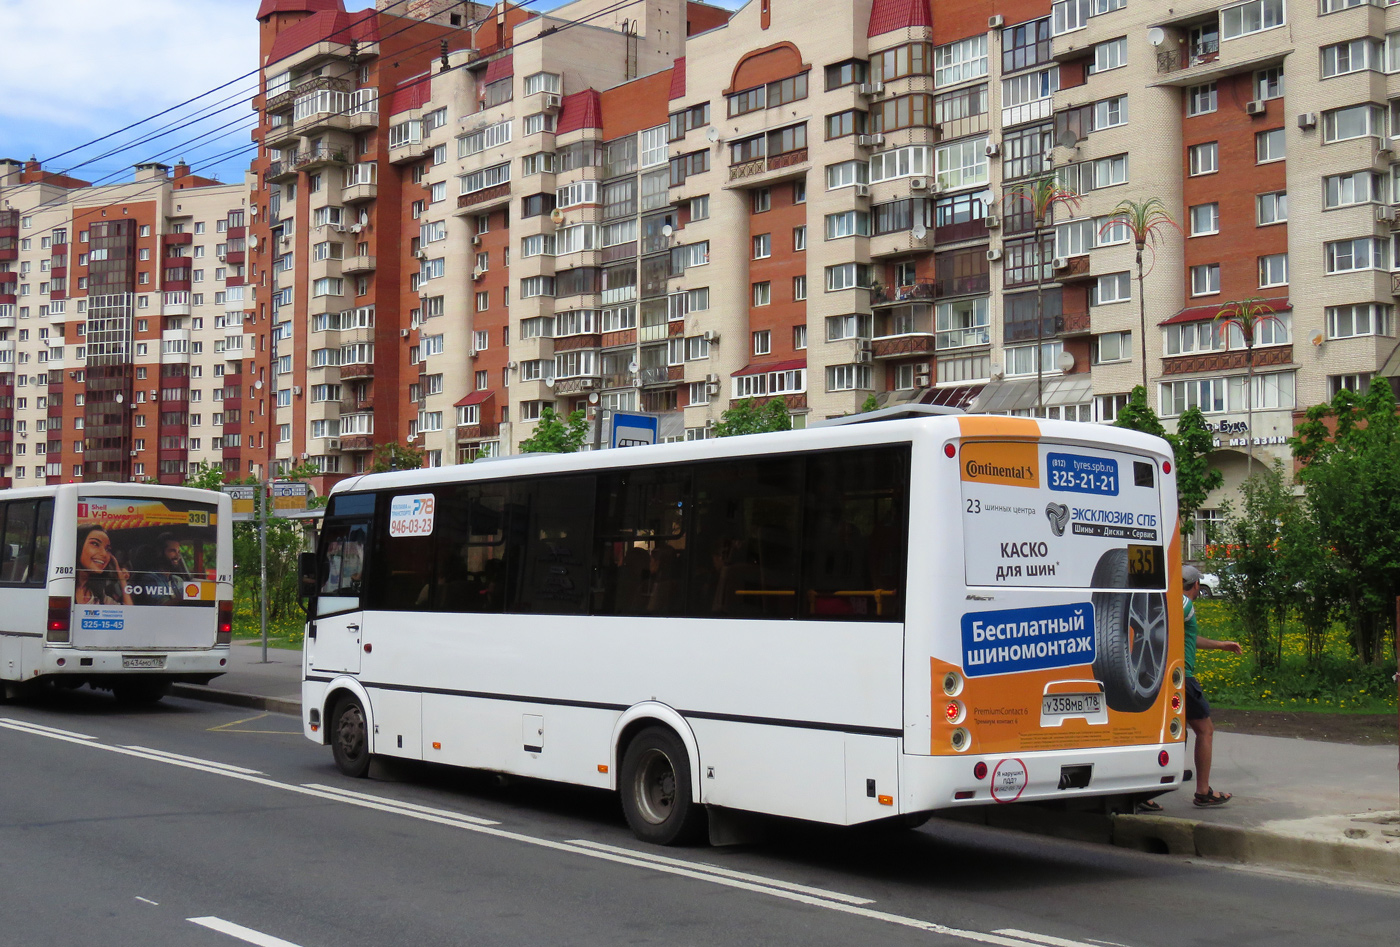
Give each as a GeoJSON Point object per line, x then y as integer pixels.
{"type": "Point", "coordinates": [200, 665]}
{"type": "Point", "coordinates": [946, 782]}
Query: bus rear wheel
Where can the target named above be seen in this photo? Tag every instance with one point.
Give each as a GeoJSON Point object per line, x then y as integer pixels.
{"type": "Point", "coordinates": [350, 738]}
{"type": "Point", "coordinates": [140, 692]}
{"type": "Point", "coordinates": [656, 790]}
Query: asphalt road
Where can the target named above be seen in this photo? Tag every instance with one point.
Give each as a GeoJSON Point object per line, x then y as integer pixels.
{"type": "Point", "coordinates": [193, 824]}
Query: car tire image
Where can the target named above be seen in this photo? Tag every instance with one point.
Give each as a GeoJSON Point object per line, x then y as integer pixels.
{"type": "Point", "coordinates": [1130, 637]}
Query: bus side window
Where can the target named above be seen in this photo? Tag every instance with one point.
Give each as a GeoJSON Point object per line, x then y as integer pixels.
{"type": "Point", "coordinates": [640, 555]}
{"type": "Point", "coordinates": [342, 562]}
{"type": "Point", "coordinates": [43, 537]}
{"type": "Point", "coordinates": [553, 519]}
{"type": "Point", "coordinates": [404, 579]}
{"type": "Point", "coordinates": [18, 541]}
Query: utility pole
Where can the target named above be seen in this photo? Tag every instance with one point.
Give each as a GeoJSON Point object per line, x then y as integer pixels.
{"type": "Point", "coordinates": [262, 559]}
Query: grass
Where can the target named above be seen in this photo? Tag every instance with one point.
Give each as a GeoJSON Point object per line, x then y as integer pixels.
{"type": "Point", "coordinates": [1337, 683]}
{"type": "Point", "coordinates": [285, 632]}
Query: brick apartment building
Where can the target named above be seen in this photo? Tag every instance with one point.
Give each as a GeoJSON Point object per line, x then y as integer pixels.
{"type": "Point", "coordinates": [462, 214]}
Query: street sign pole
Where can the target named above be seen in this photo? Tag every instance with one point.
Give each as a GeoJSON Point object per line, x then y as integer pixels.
{"type": "Point", "coordinates": [262, 562]}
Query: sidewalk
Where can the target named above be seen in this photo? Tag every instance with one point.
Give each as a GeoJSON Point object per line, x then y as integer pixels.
{"type": "Point", "coordinates": [1299, 804]}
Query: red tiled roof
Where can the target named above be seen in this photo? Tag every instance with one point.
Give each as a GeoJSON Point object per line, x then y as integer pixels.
{"type": "Point", "coordinates": [269, 7]}
{"type": "Point", "coordinates": [889, 15]}
{"type": "Point", "coordinates": [499, 69]}
{"type": "Point", "coordinates": [580, 110]}
{"type": "Point", "coordinates": [410, 93]}
{"type": "Point", "coordinates": [678, 79]}
{"type": "Point", "coordinates": [758, 369]}
{"type": "Point", "coordinates": [476, 397]}
{"type": "Point", "coordinates": [1204, 313]}
{"type": "Point", "coordinates": [337, 26]}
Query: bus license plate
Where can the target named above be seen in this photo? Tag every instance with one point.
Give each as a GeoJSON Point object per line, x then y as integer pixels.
{"type": "Point", "coordinates": [1060, 705]}
{"type": "Point", "coordinates": [144, 662]}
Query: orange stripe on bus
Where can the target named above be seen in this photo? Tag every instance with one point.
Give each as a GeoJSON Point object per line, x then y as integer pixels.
{"type": "Point", "coordinates": [987, 426]}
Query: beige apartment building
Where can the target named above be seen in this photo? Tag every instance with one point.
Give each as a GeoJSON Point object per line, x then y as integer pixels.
{"type": "Point", "coordinates": [464, 214]}
{"type": "Point", "coordinates": [127, 346]}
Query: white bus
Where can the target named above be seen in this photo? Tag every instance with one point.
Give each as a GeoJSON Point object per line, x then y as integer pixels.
{"type": "Point", "coordinates": [122, 586]}
{"type": "Point", "coordinates": [849, 623]}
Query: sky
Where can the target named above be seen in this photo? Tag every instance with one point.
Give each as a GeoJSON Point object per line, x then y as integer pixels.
{"type": "Point", "coordinates": [73, 71]}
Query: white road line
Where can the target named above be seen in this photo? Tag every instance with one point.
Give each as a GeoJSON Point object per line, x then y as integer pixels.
{"type": "Point", "coordinates": [399, 804]}
{"type": "Point", "coordinates": [725, 872]}
{"type": "Point", "coordinates": [26, 725]}
{"type": "Point", "coordinates": [1043, 938]}
{"type": "Point", "coordinates": [242, 933]}
{"type": "Point", "coordinates": [147, 900]}
{"type": "Point", "coordinates": [768, 886]}
{"type": "Point", "coordinates": [194, 759]}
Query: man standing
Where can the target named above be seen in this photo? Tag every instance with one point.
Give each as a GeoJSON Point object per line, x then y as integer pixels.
{"type": "Point", "coordinates": [1197, 707]}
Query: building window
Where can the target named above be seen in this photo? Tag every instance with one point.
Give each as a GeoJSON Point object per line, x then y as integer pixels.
{"type": "Point", "coordinates": [960, 61]}
{"type": "Point", "coordinates": [1271, 208]}
{"type": "Point", "coordinates": [1364, 253]}
{"type": "Point", "coordinates": [1205, 219]}
{"type": "Point", "coordinates": [1200, 99]}
{"type": "Point", "coordinates": [1254, 16]}
{"type": "Point", "coordinates": [1112, 288]}
{"type": "Point", "coordinates": [1344, 322]}
{"type": "Point", "coordinates": [1110, 55]}
{"type": "Point", "coordinates": [762, 200]}
{"type": "Point", "coordinates": [762, 293]}
{"type": "Point", "coordinates": [1353, 56]}
{"type": "Point", "coordinates": [1359, 383]}
{"type": "Point", "coordinates": [763, 246]}
{"type": "Point", "coordinates": [1356, 121]}
{"type": "Point", "coordinates": [1114, 347]}
{"type": "Point", "coordinates": [1205, 279]}
{"type": "Point", "coordinates": [848, 377]}
{"type": "Point", "coordinates": [1268, 145]}
{"type": "Point", "coordinates": [1273, 270]}
{"type": "Point", "coordinates": [1360, 187]}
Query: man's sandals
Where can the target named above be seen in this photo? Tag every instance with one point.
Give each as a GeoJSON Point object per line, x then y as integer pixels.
{"type": "Point", "coordinates": [1211, 799]}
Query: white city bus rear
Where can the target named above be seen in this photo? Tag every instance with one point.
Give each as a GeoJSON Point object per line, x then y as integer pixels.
{"type": "Point", "coordinates": [126, 587]}
{"type": "Point", "coordinates": [842, 624]}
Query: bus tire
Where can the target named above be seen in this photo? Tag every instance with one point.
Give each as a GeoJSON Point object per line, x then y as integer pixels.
{"type": "Point", "coordinates": [140, 691]}
{"type": "Point", "coordinates": [656, 790]}
{"type": "Point", "coordinates": [350, 738]}
{"type": "Point", "coordinates": [1130, 637]}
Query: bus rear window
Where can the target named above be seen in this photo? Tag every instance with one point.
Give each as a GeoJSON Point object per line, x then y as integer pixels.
{"type": "Point", "coordinates": [144, 551]}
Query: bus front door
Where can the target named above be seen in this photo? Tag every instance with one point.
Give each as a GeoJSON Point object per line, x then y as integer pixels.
{"type": "Point", "coordinates": [338, 609]}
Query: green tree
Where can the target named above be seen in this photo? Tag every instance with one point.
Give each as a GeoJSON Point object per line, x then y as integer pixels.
{"type": "Point", "coordinates": [555, 434]}
{"type": "Point", "coordinates": [1191, 448]}
{"type": "Point", "coordinates": [748, 418]}
{"type": "Point", "coordinates": [1256, 582]}
{"type": "Point", "coordinates": [1248, 316]}
{"type": "Point", "coordinates": [871, 403]}
{"type": "Point", "coordinates": [1147, 222]}
{"type": "Point", "coordinates": [1350, 452]}
{"type": "Point", "coordinates": [395, 456]}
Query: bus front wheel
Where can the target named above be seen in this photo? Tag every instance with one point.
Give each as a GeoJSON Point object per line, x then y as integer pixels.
{"type": "Point", "coordinates": [350, 738]}
{"type": "Point", "coordinates": [656, 790]}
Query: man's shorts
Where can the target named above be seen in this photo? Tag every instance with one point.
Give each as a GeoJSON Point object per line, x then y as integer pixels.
{"type": "Point", "coordinates": [1197, 707]}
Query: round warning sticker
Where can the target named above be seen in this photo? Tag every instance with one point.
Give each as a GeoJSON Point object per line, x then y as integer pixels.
{"type": "Point", "coordinates": [1009, 780]}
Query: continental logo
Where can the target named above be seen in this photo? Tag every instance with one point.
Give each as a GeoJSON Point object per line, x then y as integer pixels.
{"type": "Point", "coordinates": [1011, 464]}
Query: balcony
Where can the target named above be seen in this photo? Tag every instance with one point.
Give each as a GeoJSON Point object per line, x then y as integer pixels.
{"type": "Point", "coordinates": [281, 135]}
{"type": "Point", "coordinates": [408, 151]}
{"type": "Point", "coordinates": [1050, 327]}
{"type": "Point", "coordinates": [919, 290]}
{"type": "Point", "coordinates": [573, 386]}
{"type": "Point", "coordinates": [356, 371]}
{"type": "Point", "coordinates": [788, 164]}
{"type": "Point", "coordinates": [357, 442]}
{"type": "Point", "coordinates": [1203, 52]}
{"type": "Point", "coordinates": [359, 193]}
{"type": "Point", "coordinates": [285, 100]}
{"type": "Point", "coordinates": [281, 170]}
{"type": "Point", "coordinates": [362, 263]}
{"type": "Point", "coordinates": [900, 333]}
{"type": "Point", "coordinates": [480, 200]}
{"type": "Point", "coordinates": [661, 375]}
{"type": "Point", "coordinates": [1076, 268]}
{"type": "Point", "coordinates": [978, 284]}
{"type": "Point", "coordinates": [1233, 360]}
{"type": "Point", "coordinates": [320, 157]}
{"type": "Point", "coordinates": [1076, 323]}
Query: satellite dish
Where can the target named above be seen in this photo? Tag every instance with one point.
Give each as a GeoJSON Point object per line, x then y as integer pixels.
{"type": "Point", "coordinates": [919, 231]}
{"type": "Point", "coordinates": [1316, 338]}
{"type": "Point", "coordinates": [632, 366]}
{"type": "Point", "coordinates": [988, 198]}
{"type": "Point", "coordinates": [1067, 139]}
{"type": "Point", "coordinates": [667, 230]}
{"type": "Point", "coordinates": [1065, 361]}
{"type": "Point", "coordinates": [712, 133]}
{"type": "Point", "coordinates": [557, 216]}
{"type": "Point", "coordinates": [1156, 36]}
{"type": "Point", "coordinates": [252, 241]}
{"type": "Point", "coordinates": [120, 399]}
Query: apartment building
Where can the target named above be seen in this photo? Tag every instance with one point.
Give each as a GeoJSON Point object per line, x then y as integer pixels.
{"type": "Point", "coordinates": [127, 347]}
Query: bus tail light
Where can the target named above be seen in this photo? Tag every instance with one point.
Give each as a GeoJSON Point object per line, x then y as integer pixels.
{"type": "Point", "coordinates": [60, 618]}
{"type": "Point", "coordinates": [952, 683]}
{"type": "Point", "coordinates": [1163, 758]}
{"type": "Point", "coordinates": [954, 712]}
{"type": "Point", "coordinates": [224, 633]}
{"type": "Point", "coordinates": [979, 771]}
{"type": "Point", "coordinates": [1174, 728]}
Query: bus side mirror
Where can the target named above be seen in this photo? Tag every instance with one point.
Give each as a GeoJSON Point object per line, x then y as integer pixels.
{"type": "Point", "coordinates": [306, 575]}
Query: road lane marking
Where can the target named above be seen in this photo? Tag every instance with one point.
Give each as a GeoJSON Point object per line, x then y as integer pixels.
{"type": "Point", "coordinates": [760, 885]}
{"type": "Point", "coordinates": [193, 759]}
{"type": "Point", "coordinates": [726, 872]}
{"type": "Point", "coordinates": [246, 934]}
{"type": "Point", "coordinates": [26, 725]}
{"type": "Point", "coordinates": [1043, 938]}
{"type": "Point", "coordinates": [147, 900]}
{"type": "Point", "coordinates": [229, 727]}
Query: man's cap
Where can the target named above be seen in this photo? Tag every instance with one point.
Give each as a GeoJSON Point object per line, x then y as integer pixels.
{"type": "Point", "coordinates": [1190, 575]}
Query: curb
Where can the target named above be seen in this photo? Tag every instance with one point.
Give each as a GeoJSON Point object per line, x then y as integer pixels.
{"type": "Point", "coordinates": [1165, 835]}
{"type": "Point", "coordinates": [276, 705]}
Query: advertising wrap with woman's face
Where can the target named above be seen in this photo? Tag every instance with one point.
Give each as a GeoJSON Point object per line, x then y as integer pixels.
{"type": "Point", "coordinates": [145, 552]}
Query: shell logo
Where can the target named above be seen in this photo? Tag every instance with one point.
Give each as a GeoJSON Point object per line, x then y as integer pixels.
{"type": "Point", "coordinates": [193, 590]}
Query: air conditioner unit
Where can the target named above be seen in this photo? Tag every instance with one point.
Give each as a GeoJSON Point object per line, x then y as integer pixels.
{"type": "Point", "coordinates": [1257, 107]}
{"type": "Point", "coordinates": [712, 387]}
{"type": "Point", "coordinates": [993, 221]}
{"type": "Point", "coordinates": [332, 443]}
{"type": "Point", "coordinates": [923, 368]}
{"type": "Point", "coordinates": [1307, 120]}
{"type": "Point", "coordinates": [1060, 263]}
{"type": "Point", "coordinates": [476, 240]}
{"type": "Point", "coordinates": [870, 141]}
{"type": "Point", "coordinates": [864, 357]}
{"type": "Point", "coordinates": [1385, 213]}
{"type": "Point", "coordinates": [993, 255]}
{"type": "Point", "coordinates": [995, 21]}
{"type": "Point", "coordinates": [710, 335]}
{"type": "Point", "coordinates": [586, 383]}
{"type": "Point", "coordinates": [549, 102]}
{"type": "Point", "coordinates": [338, 228]}
{"type": "Point", "coordinates": [872, 88]}
{"type": "Point", "coordinates": [918, 184]}
{"type": "Point", "coordinates": [356, 228]}
{"type": "Point", "coordinates": [992, 149]}
{"type": "Point", "coordinates": [421, 254]}
{"type": "Point", "coordinates": [223, 258]}
{"type": "Point", "coordinates": [478, 273]}
{"type": "Point", "coordinates": [510, 365]}
{"type": "Point", "coordinates": [1383, 150]}
{"type": "Point", "coordinates": [862, 190]}
{"type": "Point", "coordinates": [922, 380]}
{"type": "Point", "coordinates": [712, 379]}
{"type": "Point", "coordinates": [403, 333]}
